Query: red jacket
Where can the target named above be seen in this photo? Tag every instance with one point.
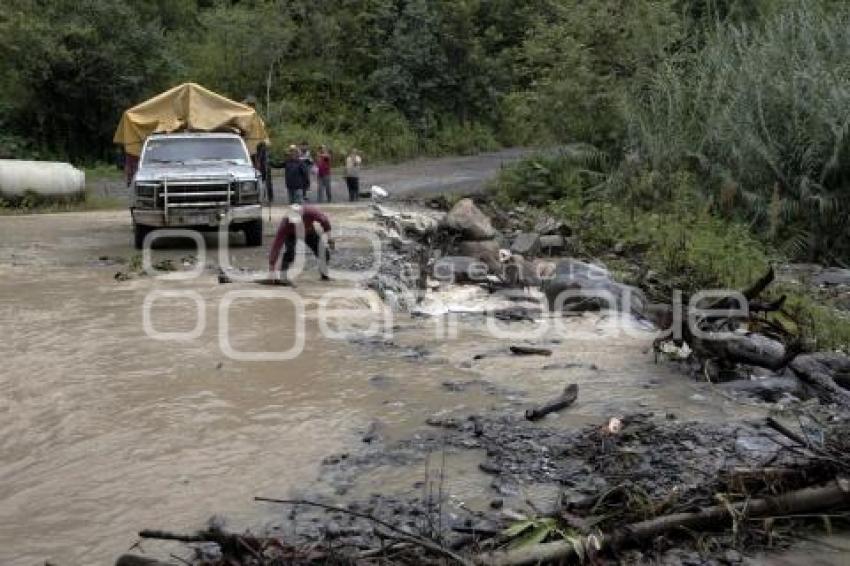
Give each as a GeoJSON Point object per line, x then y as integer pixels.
{"type": "Point", "coordinates": [324, 164]}
{"type": "Point", "coordinates": [309, 215]}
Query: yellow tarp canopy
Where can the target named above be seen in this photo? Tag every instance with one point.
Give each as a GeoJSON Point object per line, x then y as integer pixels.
{"type": "Point", "coordinates": [188, 107]}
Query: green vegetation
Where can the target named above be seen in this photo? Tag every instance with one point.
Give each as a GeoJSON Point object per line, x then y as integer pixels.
{"type": "Point", "coordinates": [395, 77]}
{"type": "Point", "coordinates": [717, 143]}
{"type": "Point", "coordinates": [34, 203]}
{"type": "Point", "coordinates": [666, 224]}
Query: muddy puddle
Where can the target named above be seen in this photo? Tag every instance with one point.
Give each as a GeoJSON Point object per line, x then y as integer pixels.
{"type": "Point", "coordinates": [105, 430]}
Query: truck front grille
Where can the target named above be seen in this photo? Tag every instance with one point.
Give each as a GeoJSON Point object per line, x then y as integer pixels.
{"type": "Point", "coordinates": [195, 195]}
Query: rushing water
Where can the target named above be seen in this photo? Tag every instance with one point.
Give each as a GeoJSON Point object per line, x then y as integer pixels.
{"type": "Point", "coordinates": [104, 431]}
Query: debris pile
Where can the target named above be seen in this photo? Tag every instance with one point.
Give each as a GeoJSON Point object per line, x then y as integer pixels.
{"type": "Point", "coordinates": [635, 486]}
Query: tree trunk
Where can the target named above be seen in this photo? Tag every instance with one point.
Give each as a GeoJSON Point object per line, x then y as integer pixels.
{"type": "Point", "coordinates": [809, 500]}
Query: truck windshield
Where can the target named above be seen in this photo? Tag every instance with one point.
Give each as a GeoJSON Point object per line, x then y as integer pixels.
{"type": "Point", "coordinates": [183, 150]}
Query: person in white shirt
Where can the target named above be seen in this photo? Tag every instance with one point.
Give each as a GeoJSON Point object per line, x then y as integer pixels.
{"type": "Point", "coordinates": [353, 162]}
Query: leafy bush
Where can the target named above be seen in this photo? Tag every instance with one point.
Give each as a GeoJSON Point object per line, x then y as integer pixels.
{"type": "Point", "coordinates": [570, 174]}
{"type": "Point", "coordinates": [460, 139]}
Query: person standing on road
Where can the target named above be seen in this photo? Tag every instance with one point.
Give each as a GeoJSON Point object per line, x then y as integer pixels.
{"type": "Point", "coordinates": [324, 174]}
{"type": "Point", "coordinates": [287, 239]}
{"type": "Point", "coordinates": [307, 158]}
{"type": "Point", "coordinates": [296, 176]}
{"type": "Point", "coordinates": [353, 162]}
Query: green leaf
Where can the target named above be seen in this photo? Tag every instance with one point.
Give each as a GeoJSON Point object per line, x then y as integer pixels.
{"type": "Point", "coordinates": [517, 528]}
{"type": "Point", "coordinates": [533, 536]}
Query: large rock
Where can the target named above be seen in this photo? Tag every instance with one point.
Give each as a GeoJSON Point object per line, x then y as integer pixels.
{"type": "Point", "coordinates": [579, 286]}
{"type": "Point", "coordinates": [460, 269]}
{"type": "Point", "coordinates": [552, 244]}
{"type": "Point", "coordinates": [407, 224]}
{"type": "Point", "coordinates": [526, 244]}
{"type": "Point", "coordinates": [483, 250]}
{"type": "Point", "coordinates": [520, 272]}
{"type": "Point", "coordinates": [466, 219]}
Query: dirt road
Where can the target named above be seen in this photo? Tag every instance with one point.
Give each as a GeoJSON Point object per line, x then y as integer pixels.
{"type": "Point", "coordinates": [130, 403]}
{"type": "Point", "coordinates": [420, 176]}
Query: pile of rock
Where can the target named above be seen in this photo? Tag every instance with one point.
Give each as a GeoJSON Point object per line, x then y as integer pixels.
{"type": "Point", "coordinates": [473, 245]}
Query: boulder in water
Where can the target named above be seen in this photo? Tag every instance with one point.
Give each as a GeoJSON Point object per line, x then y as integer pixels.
{"type": "Point", "coordinates": [460, 269]}
{"type": "Point", "coordinates": [579, 286]}
{"type": "Point", "coordinates": [467, 219]}
{"type": "Point", "coordinates": [482, 250]}
{"type": "Point", "coordinates": [526, 244]}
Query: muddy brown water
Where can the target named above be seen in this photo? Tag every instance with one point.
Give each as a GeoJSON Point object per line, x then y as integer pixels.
{"type": "Point", "coordinates": [105, 431]}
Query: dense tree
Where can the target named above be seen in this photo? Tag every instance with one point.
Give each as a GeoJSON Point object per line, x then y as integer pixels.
{"type": "Point", "coordinates": [70, 71]}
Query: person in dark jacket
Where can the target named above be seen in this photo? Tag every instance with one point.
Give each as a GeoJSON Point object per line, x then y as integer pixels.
{"type": "Point", "coordinates": [296, 175]}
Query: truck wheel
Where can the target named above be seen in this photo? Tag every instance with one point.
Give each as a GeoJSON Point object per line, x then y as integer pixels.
{"type": "Point", "coordinates": [139, 234]}
{"type": "Point", "coordinates": [254, 233]}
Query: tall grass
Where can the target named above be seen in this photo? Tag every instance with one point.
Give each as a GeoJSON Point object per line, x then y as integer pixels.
{"type": "Point", "coordinates": [762, 113]}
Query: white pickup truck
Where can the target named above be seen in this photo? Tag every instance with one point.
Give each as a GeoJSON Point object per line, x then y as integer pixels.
{"type": "Point", "coordinates": [197, 181]}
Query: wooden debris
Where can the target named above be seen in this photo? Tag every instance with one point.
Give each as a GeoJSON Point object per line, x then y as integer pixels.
{"type": "Point", "coordinates": [566, 399]}
{"type": "Point", "coordinates": [530, 351]}
{"type": "Point", "coordinates": [808, 500]}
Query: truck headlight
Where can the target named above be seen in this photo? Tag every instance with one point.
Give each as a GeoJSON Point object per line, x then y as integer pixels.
{"type": "Point", "coordinates": [145, 191]}
{"type": "Point", "coordinates": [248, 187]}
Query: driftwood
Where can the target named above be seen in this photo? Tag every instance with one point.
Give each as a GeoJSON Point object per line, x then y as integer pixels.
{"type": "Point", "coordinates": [786, 432]}
{"type": "Point", "coordinates": [714, 334]}
{"type": "Point", "coordinates": [808, 500]}
{"type": "Point", "coordinates": [530, 351]}
{"type": "Point", "coordinates": [566, 399]}
{"type": "Point", "coordinates": [819, 371]}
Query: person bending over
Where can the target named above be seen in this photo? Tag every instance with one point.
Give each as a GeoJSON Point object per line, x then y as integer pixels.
{"type": "Point", "coordinates": [287, 238]}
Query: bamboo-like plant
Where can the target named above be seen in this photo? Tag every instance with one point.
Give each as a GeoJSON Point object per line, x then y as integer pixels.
{"type": "Point", "coordinates": [763, 109]}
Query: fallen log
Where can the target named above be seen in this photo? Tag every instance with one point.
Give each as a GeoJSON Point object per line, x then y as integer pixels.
{"type": "Point", "coordinates": [710, 331]}
{"type": "Point", "coordinates": [808, 500]}
{"type": "Point", "coordinates": [750, 349]}
{"type": "Point", "coordinates": [530, 351]}
{"type": "Point", "coordinates": [819, 371]}
{"type": "Point", "coordinates": [566, 399]}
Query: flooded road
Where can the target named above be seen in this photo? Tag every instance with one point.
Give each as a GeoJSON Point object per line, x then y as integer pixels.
{"type": "Point", "coordinates": [105, 430]}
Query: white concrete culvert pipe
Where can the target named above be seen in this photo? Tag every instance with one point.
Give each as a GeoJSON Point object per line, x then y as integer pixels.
{"type": "Point", "coordinates": [49, 179]}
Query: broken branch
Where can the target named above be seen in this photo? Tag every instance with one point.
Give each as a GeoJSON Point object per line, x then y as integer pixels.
{"type": "Point", "coordinates": [566, 399]}
{"type": "Point", "coordinates": [808, 500]}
